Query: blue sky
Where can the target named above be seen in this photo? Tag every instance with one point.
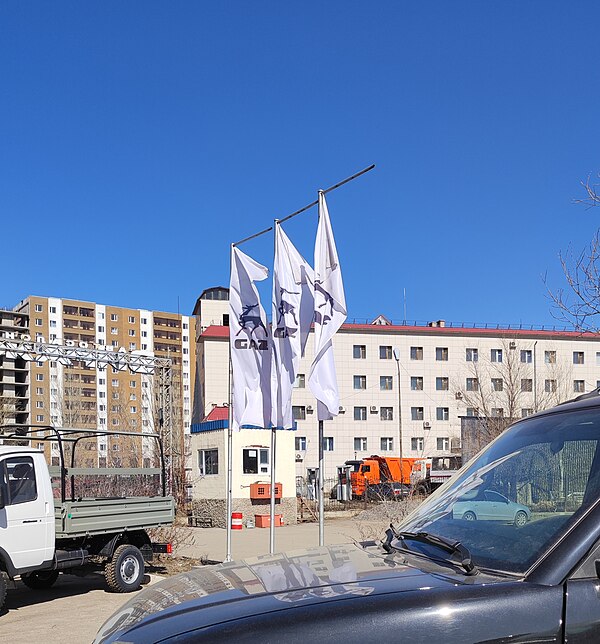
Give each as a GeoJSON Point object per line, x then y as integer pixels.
{"type": "Point", "coordinates": [139, 139]}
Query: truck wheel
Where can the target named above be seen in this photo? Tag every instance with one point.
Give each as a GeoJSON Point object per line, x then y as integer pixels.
{"type": "Point", "coordinates": [40, 580]}
{"type": "Point", "coordinates": [125, 571]}
{"type": "Point", "coordinates": [2, 589]}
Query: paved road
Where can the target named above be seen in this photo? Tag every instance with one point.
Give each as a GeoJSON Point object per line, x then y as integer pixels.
{"type": "Point", "coordinates": [73, 610]}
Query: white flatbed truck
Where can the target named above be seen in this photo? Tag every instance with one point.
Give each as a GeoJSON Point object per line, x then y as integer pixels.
{"type": "Point", "coordinates": [46, 530]}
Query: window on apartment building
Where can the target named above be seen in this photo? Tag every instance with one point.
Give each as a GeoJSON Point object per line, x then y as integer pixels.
{"type": "Point", "coordinates": [132, 346]}
{"type": "Point", "coordinates": [328, 443]}
{"type": "Point", "coordinates": [442, 413]}
{"type": "Point", "coordinates": [416, 413]}
{"type": "Point", "coordinates": [100, 329]}
{"type": "Point", "coordinates": [39, 404]}
{"type": "Point", "coordinates": [472, 355]}
{"type": "Point", "coordinates": [497, 384]}
{"type": "Point", "coordinates": [550, 386]}
{"type": "Point", "coordinates": [144, 334]}
{"type": "Point", "coordinates": [300, 382]}
{"type": "Point", "coordinates": [255, 460]}
{"type": "Point", "coordinates": [416, 353]}
{"type": "Point", "coordinates": [496, 355]}
{"type": "Point", "coordinates": [441, 384]}
{"type": "Point", "coordinates": [52, 309]}
{"type": "Point", "coordinates": [385, 352]}
{"type": "Point", "coordinates": [39, 377]}
{"type": "Point", "coordinates": [114, 317]}
{"type": "Point", "coordinates": [115, 382]}
{"type": "Point", "coordinates": [550, 357]}
{"type": "Point", "coordinates": [144, 320]}
{"type": "Point", "coordinates": [416, 383]}
{"type": "Point", "coordinates": [52, 324]}
{"type": "Point", "coordinates": [132, 332]}
{"type": "Point", "coordinates": [360, 382]}
{"type": "Point", "coordinates": [131, 319]}
{"type": "Point", "coordinates": [360, 413]}
{"type": "Point", "coordinates": [578, 357]}
{"type": "Point", "coordinates": [144, 347]}
{"type": "Point", "coordinates": [39, 308]}
{"type": "Point", "coordinates": [185, 325]}
{"type": "Point", "coordinates": [441, 353]}
{"type": "Point", "coordinates": [133, 409]}
{"type": "Point", "coordinates": [114, 330]}
{"type": "Point", "coordinates": [38, 321]}
{"type": "Point", "coordinates": [417, 443]}
{"type": "Point", "coordinates": [132, 384]}
{"type": "Point", "coordinates": [300, 443]}
{"type": "Point", "coordinates": [497, 412]}
{"type": "Point", "coordinates": [115, 395]}
{"type": "Point", "coordinates": [101, 394]}
{"type": "Point", "coordinates": [386, 383]}
{"type": "Point", "coordinates": [526, 356]}
{"type": "Point", "coordinates": [39, 391]}
{"type": "Point", "coordinates": [359, 351]}
{"type": "Point", "coordinates": [101, 381]}
{"type": "Point", "coordinates": [472, 384]}
{"type": "Point", "coordinates": [472, 411]}
{"type": "Point", "coordinates": [386, 413]}
{"type": "Point", "coordinates": [443, 444]}
{"type": "Point", "coordinates": [185, 338]}
{"type": "Point", "coordinates": [52, 337]}
{"type": "Point", "coordinates": [208, 461]}
{"type": "Point", "coordinates": [386, 443]}
{"type": "Point", "coordinates": [526, 384]}
{"type": "Point", "coordinates": [298, 412]}
{"type": "Point", "coordinates": [526, 411]}
{"type": "Point", "coordinates": [39, 418]}
{"type": "Point", "coordinates": [578, 386]}
{"type": "Point", "coordinates": [360, 444]}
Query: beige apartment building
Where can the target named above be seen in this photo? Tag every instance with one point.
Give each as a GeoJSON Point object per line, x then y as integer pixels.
{"type": "Point", "coordinates": [412, 384]}
{"type": "Point", "coordinates": [85, 395]}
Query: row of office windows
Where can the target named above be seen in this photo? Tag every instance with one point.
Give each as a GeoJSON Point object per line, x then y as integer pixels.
{"type": "Point", "coordinates": [386, 444]}
{"type": "Point", "coordinates": [359, 352]}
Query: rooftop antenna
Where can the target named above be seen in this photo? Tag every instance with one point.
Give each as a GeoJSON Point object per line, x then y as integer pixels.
{"type": "Point", "coordinates": [404, 289]}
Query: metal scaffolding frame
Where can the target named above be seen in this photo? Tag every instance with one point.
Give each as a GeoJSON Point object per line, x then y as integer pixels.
{"type": "Point", "coordinates": [120, 360]}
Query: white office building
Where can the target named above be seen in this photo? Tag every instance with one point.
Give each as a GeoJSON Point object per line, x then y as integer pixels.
{"type": "Point", "coordinates": [413, 382]}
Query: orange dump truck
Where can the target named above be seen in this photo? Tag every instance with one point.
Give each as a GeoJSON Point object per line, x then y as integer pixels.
{"type": "Point", "coordinates": [375, 476]}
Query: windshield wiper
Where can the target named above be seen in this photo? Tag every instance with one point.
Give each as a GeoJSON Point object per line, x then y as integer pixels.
{"type": "Point", "coordinates": [452, 547]}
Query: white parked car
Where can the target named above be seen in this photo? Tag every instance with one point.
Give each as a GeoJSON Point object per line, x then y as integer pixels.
{"type": "Point", "coordinates": [491, 506]}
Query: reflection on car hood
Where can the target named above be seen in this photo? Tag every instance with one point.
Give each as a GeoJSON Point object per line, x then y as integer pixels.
{"type": "Point", "coordinates": [269, 582]}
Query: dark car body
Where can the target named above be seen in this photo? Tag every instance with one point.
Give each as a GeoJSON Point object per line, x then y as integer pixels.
{"type": "Point", "coordinates": [398, 590]}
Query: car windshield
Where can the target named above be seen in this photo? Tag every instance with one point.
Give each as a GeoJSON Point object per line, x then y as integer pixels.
{"type": "Point", "coordinates": [511, 502]}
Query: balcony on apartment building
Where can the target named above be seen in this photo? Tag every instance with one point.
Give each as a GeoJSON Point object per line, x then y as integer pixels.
{"type": "Point", "coordinates": [174, 324]}
{"type": "Point", "coordinates": [81, 311]}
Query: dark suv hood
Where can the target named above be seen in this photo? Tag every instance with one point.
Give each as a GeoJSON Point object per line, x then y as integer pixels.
{"type": "Point", "coordinates": [269, 583]}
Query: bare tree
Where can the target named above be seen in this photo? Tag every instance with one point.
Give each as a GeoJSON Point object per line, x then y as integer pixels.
{"type": "Point", "coordinates": [578, 304]}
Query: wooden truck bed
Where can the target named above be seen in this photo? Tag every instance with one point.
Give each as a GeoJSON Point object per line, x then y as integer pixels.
{"type": "Point", "coordinates": [100, 516]}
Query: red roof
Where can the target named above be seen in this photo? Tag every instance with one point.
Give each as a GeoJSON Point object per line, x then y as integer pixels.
{"type": "Point", "coordinates": [218, 413]}
{"type": "Point", "coordinates": [215, 332]}
{"type": "Point", "coordinates": [223, 331]}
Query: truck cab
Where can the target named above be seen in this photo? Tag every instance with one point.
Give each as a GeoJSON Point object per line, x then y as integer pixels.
{"type": "Point", "coordinates": [27, 521]}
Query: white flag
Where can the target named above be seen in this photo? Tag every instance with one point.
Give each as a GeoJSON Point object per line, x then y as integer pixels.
{"type": "Point", "coordinates": [250, 343]}
{"type": "Point", "coordinates": [330, 313]}
{"type": "Point", "coordinates": [293, 313]}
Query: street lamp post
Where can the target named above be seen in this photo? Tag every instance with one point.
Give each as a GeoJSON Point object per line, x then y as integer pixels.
{"type": "Point", "coordinates": [397, 358]}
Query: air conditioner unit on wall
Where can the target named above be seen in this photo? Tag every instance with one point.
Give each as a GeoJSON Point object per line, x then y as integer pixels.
{"type": "Point", "coordinates": [426, 424]}
{"type": "Point", "coordinates": [341, 410]}
{"type": "Point", "coordinates": [299, 458]}
{"type": "Point", "coordinates": [458, 395]}
{"type": "Point", "coordinates": [309, 409]}
{"type": "Point", "coordinates": [373, 409]}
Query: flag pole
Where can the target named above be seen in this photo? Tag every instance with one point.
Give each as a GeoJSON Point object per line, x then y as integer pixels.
{"type": "Point", "coordinates": [337, 185]}
{"type": "Point", "coordinates": [273, 441]}
{"type": "Point", "coordinates": [229, 500]}
{"type": "Point", "coordinates": [321, 485]}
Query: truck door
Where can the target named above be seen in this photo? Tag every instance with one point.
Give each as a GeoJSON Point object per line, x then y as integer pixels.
{"type": "Point", "coordinates": [23, 529]}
